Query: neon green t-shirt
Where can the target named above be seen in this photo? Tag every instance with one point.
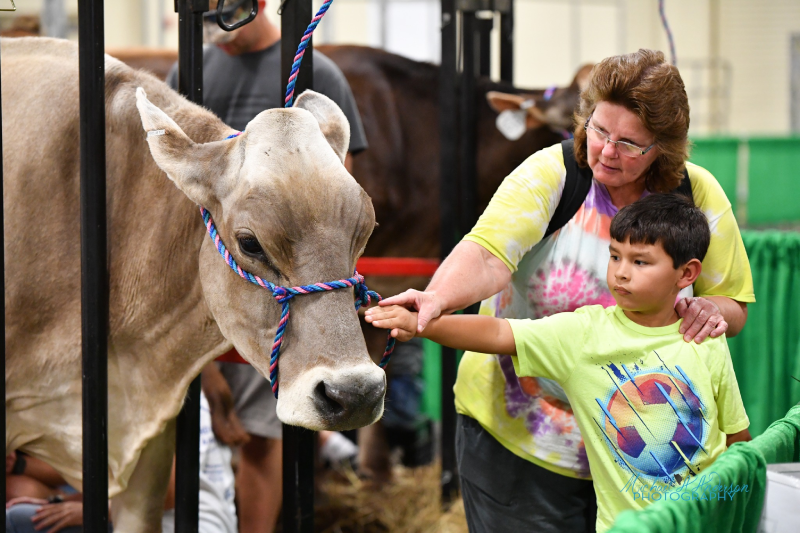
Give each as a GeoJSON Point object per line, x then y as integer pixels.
{"type": "Point", "coordinates": [531, 416]}
{"type": "Point", "coordinates": [653, 410]}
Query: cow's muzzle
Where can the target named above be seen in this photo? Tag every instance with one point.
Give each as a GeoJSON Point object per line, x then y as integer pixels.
{"type": "Point", "coordinates": [339, 400]}
{"type": "Point", "coordinates": [333, 399]}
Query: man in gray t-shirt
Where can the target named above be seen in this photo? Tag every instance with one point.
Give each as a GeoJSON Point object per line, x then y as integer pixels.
{"type": "Point", "coordinates": [242, 78]}
{"type": "Point", "coordinates": [241, 81]}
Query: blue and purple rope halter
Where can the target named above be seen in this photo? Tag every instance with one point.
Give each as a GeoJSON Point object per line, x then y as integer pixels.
{"type": "Point", "coordinates": [284, 294]}
{"type": "Point", "coordinates": [301, 50]}
{"type": "Point", "coordinates": [670, 39]}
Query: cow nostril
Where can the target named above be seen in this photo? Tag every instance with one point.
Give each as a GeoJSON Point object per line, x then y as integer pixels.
{"type": "Point", "coordinates": [328, 400]}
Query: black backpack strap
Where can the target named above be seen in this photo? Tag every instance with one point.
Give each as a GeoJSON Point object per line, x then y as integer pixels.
{"type": "Point", "coordinates": [685, 188]}
{"type": "Point", "coordinates": [576, 187]}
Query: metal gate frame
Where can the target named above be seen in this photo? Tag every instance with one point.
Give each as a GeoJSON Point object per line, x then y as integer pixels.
{"type": "Point", "coordinates": [462, 31]}
{"type": "Point", "coordinates": [298, 443]}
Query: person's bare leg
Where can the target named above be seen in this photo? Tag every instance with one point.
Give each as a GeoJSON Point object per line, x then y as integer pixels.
{"type": "Point", "coordinates": [259, 485]}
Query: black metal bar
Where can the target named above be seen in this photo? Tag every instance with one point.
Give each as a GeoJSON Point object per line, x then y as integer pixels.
{"type": "Point", "coordinates": [295, 18]}
{"type": "Point", "coordinates": [468, 182]}
{"type": "Point", "coordinates": [485, 46]}
{"type": "Point", "coordinates": [187, 452]}
{"type": "Point", "coordinates": [298, 443]}
{"type": "Point", "coordinates": [298, 479]}
{"type": "Point", "coordinates": [448, 213]}
{"type": "Point", "coordinates": [94, 270]}
{"type": "Point", "coordinates": [507, 44]}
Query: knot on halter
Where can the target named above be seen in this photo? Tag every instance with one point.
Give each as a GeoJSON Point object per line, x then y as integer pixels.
{"type": "Point", "coordinates": [363, 296]}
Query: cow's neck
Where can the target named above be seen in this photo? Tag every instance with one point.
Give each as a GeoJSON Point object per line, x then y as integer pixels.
{"type": "Point", "coordinates": [162, 332]}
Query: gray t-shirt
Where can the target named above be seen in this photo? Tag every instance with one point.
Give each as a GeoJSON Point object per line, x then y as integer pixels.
{"type": "Point", "coordinates": [237, 88]}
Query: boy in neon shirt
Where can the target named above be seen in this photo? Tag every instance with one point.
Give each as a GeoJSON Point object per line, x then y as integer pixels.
{"type": "Point", "coordinates": [654, 411]}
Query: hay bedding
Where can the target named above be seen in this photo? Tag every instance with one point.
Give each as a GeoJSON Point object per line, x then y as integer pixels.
{"type": "Point", "coordinates": [410, 504]}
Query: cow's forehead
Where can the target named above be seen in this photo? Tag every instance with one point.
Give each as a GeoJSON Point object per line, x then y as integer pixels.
{"type": "Point", "coordinates": [287, 144]}
{"type": "Point", "coordinates": [289, 168]}
{"type": "Point", "coordinates": [291, 128]}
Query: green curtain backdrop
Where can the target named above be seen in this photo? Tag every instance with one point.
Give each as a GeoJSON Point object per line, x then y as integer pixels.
{"type": "Point", "coordinates": [765, 355]}
{"type": "Point", "coordinates": [719, 155]}
{"type": "Point", "coordinates": [764, 167]}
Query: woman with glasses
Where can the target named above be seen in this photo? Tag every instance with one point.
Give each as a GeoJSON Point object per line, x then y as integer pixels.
{"type": "Point", "coordinates": [520, 455]}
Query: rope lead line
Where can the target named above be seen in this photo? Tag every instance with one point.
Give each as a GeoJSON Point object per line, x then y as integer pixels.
{"type": "Point", "coordinates": [301, 50]}
{"type": "Point", "coordinates": [664, 23]}
{"type": "Point", "coordinates": [284, 294]}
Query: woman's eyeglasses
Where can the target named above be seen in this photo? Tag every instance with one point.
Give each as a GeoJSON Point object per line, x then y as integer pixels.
{"type": "Point", "coordinates": [624, 148]}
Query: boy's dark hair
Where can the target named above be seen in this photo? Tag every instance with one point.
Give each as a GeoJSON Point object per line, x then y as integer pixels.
{"type": "Point", "coordinates": [671, 219]}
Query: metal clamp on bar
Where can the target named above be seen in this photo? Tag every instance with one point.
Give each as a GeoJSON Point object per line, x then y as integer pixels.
{"type": "Point", "coordinates": [196, 6]}
{"type": "Point", "coordinates": [472, 6]}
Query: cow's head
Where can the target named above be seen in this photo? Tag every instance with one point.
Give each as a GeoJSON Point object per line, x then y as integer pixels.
{"type": "Point", "coordinates": [289, 212]}
{"type": "Point", "coordinates": [525, 111]}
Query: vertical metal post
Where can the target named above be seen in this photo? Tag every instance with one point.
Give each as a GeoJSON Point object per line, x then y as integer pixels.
{"type": "Point", "coordinates": [187, 455]}
{"type": "Point", "coordinates": [298, 479]}
{"type": "Point", "coordinates": [94, 270]}
{"type": "Point", "coordinates": [448, 213]}
{"type": "Point", "coordinates": [507, 44]}
{"type": "Point", "coordinates": [295, 18]}
{"type": "Point", "coordinates": [468, 182]}
{"type": "Point", "coordinates": [298, 443]}
{"type": "Point", "coordinates": [485, 26]}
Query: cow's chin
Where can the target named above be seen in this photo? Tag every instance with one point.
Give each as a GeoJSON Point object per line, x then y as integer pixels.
{"type": "Point", "coordinates": [335, 400]}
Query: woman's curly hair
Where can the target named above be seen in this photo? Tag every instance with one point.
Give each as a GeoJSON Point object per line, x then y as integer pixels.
{"type": "Point", "coordinates": [652, 89]}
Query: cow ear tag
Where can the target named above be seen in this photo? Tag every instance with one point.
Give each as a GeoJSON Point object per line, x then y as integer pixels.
{"type": "Point", "coordinates": [513, 123]}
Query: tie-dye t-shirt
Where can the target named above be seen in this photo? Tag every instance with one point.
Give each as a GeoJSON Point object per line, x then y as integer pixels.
{"type": "Point", "coordinates": [653, 410]}
{"type": "Point", "coordinates": [531, 416]}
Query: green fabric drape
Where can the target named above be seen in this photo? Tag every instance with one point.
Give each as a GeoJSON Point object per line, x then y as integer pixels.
{"type": "Point", "coordinates": [744, 463]}
{"type": "Point", "coordinates": [767, 352]}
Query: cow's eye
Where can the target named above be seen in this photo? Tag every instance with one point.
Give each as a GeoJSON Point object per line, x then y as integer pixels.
{"type": "Point", "coordinates": [250, 246]}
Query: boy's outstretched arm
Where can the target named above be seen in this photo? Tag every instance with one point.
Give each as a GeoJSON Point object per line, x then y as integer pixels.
{"type": "Point", "coordinates": [476, 333]}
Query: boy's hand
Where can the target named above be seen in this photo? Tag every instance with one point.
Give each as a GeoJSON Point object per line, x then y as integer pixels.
{"type": "Point", "coordinates": [400, 320]}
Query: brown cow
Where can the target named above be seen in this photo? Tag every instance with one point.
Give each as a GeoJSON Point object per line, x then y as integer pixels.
{"type": "Point", "coordinates": [284, 205]}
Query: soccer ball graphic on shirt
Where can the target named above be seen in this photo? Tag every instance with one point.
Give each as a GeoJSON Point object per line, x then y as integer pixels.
{"type": "Point", "coordinates": [654, 424]}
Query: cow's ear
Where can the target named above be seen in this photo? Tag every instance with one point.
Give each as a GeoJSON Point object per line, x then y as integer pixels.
{"type": "Point", "coordinates": [501, 102]}
{"type": "Point", "coordinates": [197, 169]}
{"type": "Point", "coordinates": [332, 122]}
{"type": "Point", "coordinates": [583, 76]}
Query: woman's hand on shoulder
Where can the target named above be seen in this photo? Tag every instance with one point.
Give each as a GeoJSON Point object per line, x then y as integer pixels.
{"type": "Point", "coordinates": [426, 304]}
{"type": "Point", "coordinates": [398, 319]}
{"type": "Point", "coordinates": [702, 318]}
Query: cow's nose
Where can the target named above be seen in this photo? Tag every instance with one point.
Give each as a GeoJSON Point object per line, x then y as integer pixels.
{"type": "Point", "coordinates": [341, 400]}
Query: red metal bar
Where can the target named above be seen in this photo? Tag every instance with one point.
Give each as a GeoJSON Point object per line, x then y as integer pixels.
{"type": "Point", "coordinates": [232, 356]}
{"type": "Point", "coordinates": [397, 266]}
